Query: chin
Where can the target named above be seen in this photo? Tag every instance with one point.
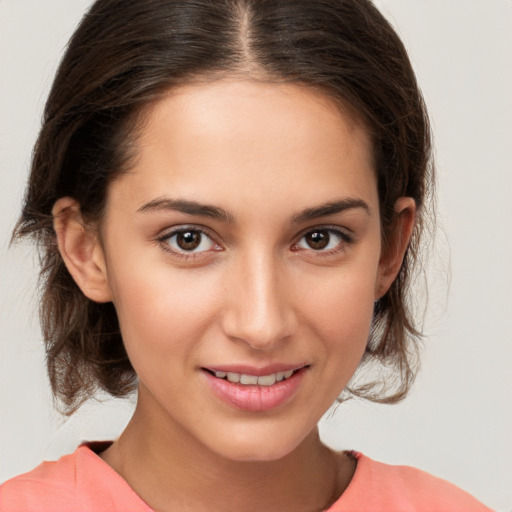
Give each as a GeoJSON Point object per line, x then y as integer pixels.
{"type": "Point", "coordinates": [258, 447]}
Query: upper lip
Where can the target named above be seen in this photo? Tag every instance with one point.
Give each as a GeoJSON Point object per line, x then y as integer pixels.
{"type": "Point", "coordinates": [247, 369]}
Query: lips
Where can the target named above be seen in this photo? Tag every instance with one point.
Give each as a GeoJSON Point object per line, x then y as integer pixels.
{"type": "Point", "coordinates": [257, 380]}
{"type": "Point", "coordinates": [255, 390]}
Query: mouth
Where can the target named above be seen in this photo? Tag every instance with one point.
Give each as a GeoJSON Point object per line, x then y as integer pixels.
{"type": "Point", "coordinates": [255, 390]}
{"type": "Point", "coordinates": [246, 379]}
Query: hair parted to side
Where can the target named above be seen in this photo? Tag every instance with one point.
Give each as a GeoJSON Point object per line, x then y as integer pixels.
{"type": "Point", "coordinates": [124, 55]}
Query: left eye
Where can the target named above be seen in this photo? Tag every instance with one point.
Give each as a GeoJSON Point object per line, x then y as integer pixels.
{"type": "Point", "coordinates": [321, 240]}
{"type": "Point", "coordinates": [190, 240]}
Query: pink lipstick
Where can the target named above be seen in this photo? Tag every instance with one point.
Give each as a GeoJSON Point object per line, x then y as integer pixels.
{"type": "Point", "coordinates": [255, 390]}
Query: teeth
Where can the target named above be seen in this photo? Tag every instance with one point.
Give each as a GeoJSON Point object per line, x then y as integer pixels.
{"type": "Point", "coordinates": [252, 380]}
{"type": "Point", "coordinates": [233, 377]}
{"type": "Point", "coordinates": [248, 379]}
{"type": "Point", "coordinates": [267, 380]}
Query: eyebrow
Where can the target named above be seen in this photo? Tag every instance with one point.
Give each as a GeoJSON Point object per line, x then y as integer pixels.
{"type": "Point", "coordinates": [185, 206]}
{"type": "Point", "coordinates": [331, 208]}
{"type": "Point", "coordinates": [214, 212]}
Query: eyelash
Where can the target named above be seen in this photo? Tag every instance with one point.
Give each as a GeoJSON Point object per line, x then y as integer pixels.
{"type": "Point", "coordinates": [343, 237]}
{"type": "Point", "coordinates": [187, 255]}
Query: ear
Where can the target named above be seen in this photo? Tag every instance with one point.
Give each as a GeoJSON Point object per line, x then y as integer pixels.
{"type": "Point", "coordinates": [398, 241]}
{"type": "Point", "coordinates": [81, 250]}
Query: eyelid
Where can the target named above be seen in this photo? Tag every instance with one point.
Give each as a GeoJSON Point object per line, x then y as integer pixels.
{"type": "Point", "coordinates": [174, 230]}
{"type": "Point", "coordinates": [345, 235]}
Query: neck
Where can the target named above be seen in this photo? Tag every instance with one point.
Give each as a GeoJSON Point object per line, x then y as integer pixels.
{"type": "Point", "coordinates": [171, 470]}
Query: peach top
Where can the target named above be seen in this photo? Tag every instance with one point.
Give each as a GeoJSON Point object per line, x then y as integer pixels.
{"type": "Point", "coordinates": [82, 481]}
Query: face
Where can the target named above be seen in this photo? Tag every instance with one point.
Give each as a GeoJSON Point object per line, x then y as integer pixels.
{"type": "Point", "coordinates": [244, 245]}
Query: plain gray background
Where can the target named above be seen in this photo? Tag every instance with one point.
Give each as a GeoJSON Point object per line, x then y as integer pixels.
{"type": "Point", "coordinates": [457, 422]}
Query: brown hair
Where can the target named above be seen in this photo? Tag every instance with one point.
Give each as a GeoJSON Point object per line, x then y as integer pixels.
{"type": "Point", "coordinates": [127, 53]}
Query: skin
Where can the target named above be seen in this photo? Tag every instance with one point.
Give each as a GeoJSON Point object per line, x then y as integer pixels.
{"type": "Point", "coordinates": [255, 291]}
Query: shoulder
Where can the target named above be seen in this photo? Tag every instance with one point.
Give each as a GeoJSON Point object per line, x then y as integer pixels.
{"type": "Point", "coordinates": [376, 486]}
{"type": "Point", "coordinates": [49, 485]}
{"type": "Point", "coordinates": [77, 482]}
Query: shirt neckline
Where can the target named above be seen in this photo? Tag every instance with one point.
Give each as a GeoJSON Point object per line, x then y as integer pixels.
{"type": "Point", "coordinates": [92, 451]}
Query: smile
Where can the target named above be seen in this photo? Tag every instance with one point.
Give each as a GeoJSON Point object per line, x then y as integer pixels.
{"type": "Point", "coordinates": [252, 392]}
{"type": "Point", "coordinates": [254, 380]}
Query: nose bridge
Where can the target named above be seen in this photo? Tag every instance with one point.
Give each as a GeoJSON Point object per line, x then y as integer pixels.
{"type": "Point", "coordinates": [259, 310]}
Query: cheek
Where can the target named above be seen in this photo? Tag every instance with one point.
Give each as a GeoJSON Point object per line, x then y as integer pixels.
{"type": "Point", "coordinates": [160, 310]}
{"type": "Point", "coordinates": [345, 331]}
{"type": "Point", "coordinates": [340, 314]}
{"type": "Point", "coordinates": [344, 303]}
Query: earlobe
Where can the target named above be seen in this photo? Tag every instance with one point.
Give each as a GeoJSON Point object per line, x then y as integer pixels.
{"type": "Point", "coordinates": [81, 250]}
{"type": "Point", "coordinates": [398, 241]}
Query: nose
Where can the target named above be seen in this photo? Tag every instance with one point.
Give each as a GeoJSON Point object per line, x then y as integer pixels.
{"type": "Point", "coordinates": [258, 308]}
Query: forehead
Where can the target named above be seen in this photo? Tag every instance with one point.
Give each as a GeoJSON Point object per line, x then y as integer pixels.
{"type": "Point", "coordinates": [249, 140]}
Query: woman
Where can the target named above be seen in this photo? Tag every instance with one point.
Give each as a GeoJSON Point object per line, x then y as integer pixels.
{"type": "Point", "coordinates": [229, 197]}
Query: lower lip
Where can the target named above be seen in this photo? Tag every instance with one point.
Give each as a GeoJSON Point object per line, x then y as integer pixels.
{"type": "Point", "coordinates": [255, 398]}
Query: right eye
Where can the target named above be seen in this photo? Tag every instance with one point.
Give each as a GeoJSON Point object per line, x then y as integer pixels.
{"type": "Point", "coordinates": [184, 241]}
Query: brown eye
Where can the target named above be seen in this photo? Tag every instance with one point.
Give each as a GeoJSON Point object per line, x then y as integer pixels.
{"type": "Point", "coordinates": [188, 240]}
{"type": "Point", "coordinates": [317, 239]}
{"type": "Point", "coordinates": [323, 240]}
